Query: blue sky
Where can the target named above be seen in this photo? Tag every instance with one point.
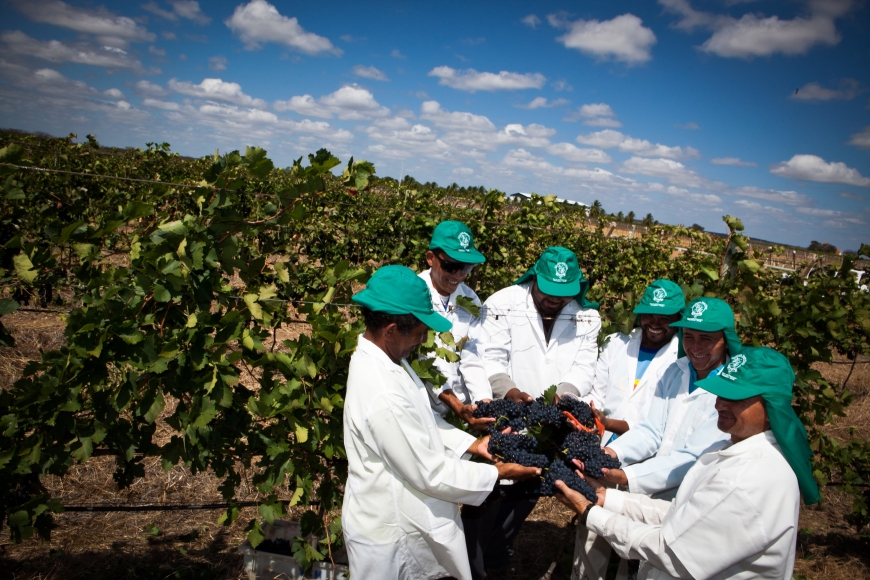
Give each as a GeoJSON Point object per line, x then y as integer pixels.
{"type": "Point", "coordinates": [688, 109]}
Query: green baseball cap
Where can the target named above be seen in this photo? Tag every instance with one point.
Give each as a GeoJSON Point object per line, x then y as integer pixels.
{"type": "Point", "coordinates": [398, 290]}
{"type": "Point", "coordinates": [557, 272]}
{"type": "Point", "coordinates": [707, 314]}
{"type": "Point", "coordinates": [661, 297]}
{"type": "Point", "coordinates": [762, 371]}
{"type": "Point", "coordinates": [455, 239]}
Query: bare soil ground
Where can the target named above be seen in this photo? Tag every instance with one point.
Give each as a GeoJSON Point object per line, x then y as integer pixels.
{"type": "Point", "coordinates": [191, 545]}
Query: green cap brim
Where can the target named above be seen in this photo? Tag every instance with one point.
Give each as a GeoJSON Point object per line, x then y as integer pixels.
{"type": "Point", "coordinates": [663, 310]}
{"type": "Point", "coordinates": [727, 389]}
{"type": "Point", "coordinates": [470, 256]}
{"type": "Point", "coordinates": [435, 321]}
{"type": "Point", "coordinates": [700, 326]}
{"type": "Point", "coordinates": [558, 289]}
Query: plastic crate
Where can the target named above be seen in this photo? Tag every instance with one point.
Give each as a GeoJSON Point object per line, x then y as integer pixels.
{"type": "Point", "coordinates": [259, 565]}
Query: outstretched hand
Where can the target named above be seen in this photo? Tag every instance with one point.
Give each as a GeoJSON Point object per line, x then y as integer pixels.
{"type": "Point", "coordinates": [518, 396]}
{"type": "Point", "coordinates": [516, 472]}
{"type": "Point", "coordinates": [466, 413]}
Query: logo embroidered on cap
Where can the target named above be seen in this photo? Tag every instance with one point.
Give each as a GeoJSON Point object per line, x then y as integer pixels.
{"type": "Point", "coordinates": [561, 270]}
{"type": "Point", "coordinates": [464, 240]}
{"type": "Point", "coordinates": [736, 362]}
{"type": "Point", "coordinates": [697, 311]}
{"type": "Point", "coordinates": [659, 295]}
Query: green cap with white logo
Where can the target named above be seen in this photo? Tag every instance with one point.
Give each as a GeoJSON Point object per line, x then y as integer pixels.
{"type": "Point", "coordinates": [558, 274]}
{"type": "Point", "coordinates": [707, 314]}
{"type": "Point", "coordinates": [762, 371]}
{"type": "Point", "coordinates": [661, 297]}
{"type": "Point", "coordinates": [398, 290]}
{"type": "Point", "coordinates": [455, 239]}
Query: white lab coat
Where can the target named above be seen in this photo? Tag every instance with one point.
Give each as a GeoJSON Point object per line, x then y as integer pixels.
{"type": "Point", "coordinates": [405, 476]}
{"type": "Point", "coordinates": [735, 516]}
{"type": "Point", "coordinates": [613, 391]}
{"type": "Point", "coordinates": [513, 342]}
{"type": "Point", "coordinates": [464, 325]}
{"type": "Point", "coordinates": [678, 429]}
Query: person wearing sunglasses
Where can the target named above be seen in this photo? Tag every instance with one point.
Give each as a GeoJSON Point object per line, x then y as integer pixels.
{"type": "Point", "coordinates": [451, 258]}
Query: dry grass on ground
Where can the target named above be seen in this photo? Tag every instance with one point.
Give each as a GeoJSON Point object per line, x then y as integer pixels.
{"type": "Point", "coordinates": [191, 545]}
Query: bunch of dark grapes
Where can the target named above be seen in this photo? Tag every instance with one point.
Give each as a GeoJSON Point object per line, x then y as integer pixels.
{"type": "Point", "coordinates": [558, 470]}
{"type": "Point", "coordinates": [580, 410]}
{"type": "Point", "coordinates": [540, 413]}
{"type": "Point", "coordinates": [507, 413]}
{"type": "Point", "coordinates": [517, 449]}
{"type": "Point", "coordinates": [586, 447]}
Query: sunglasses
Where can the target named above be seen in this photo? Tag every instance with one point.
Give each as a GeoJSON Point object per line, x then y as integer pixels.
{"type": "Point", "coordinates": [452, 267]}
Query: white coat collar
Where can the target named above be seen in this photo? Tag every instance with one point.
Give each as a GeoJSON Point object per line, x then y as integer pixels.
{"type": "Point", "coordinates": [369, 348]}
{"type": "Point", "coordinates": [764, 439]}
{"type": "Point", "coordinates": [567, 316]}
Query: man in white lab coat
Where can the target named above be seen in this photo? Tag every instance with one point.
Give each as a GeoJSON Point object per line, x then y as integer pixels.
{"type": "Point", "coordinates": [628, 370]}
{"type": "Point", "coordinates": [451, 258]}
{"type": "Point", "coordinates": [405, 473]}
{"type": "Point", "coordinates": [681, 422]}
{"type": "Point", "coordinates": [539, 332]}
{"type": "Point", "coordinates": [736, 513]}
{"type": "Point", "coordinates": [630, 365]}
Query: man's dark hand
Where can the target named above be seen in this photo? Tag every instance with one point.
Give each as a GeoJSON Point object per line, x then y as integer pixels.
{"type": "Point", "coordinates": [518, 396]}
{"type": "Point", "coordinates": [516, 472]}
{"type": "Point", "coordinates": [466, 413]}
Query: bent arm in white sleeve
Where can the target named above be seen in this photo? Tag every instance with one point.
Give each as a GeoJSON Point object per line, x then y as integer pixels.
{"type": "Point", "coordinates": [496, 340]}
{"type": "Point", "coordinates": [644, 439]}
{"type": "Point", "coordinates": [598, 393]}
{"type": "Point", "coordinates": [403, 442]}
{"type": "Point", "coordinates": [456, 440]}
{"type": "Point", "coordinates": [471, 365]}
{"type": "Point", "coordinates": [640, 508]}
{"type": "Point", "coordinates": [659, 474]}
{"type": "Point", "coordinates": [582, 372]}
{"type": "Point", "coordinates": [634, 540]}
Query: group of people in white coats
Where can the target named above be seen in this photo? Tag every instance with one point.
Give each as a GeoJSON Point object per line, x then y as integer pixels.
{"type": "Point", "coordinates": [669, 395]}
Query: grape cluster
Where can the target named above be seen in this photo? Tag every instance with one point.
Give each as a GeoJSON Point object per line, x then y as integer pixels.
{"type": "Point", "coordinates": [518, 415]}
{"type": "Point", "coordinates": [586, 447]}
{"type": "Point", "coordinates": [559, 470]}
{"type": "Point", "coordinates": [539, 413]}
{"type": "Point", "coordinates": [580, 410]}
{"type": "Point", "coordinates": [517, 449]}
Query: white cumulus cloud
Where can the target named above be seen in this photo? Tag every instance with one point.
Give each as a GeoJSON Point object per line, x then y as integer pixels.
{"type": "Point", "coordinates": [861, 139]}
{"type": "Point", "coordinates": [106, 26]}
{"type": "Point", "coordinates": [217, 63]}
{"type": "Point", "coordinates": [470, 80]}
{"type": "Point", "coordinates": [188, 9]}
{"type": "Point", "coordinates": [542, 102]}
{"type": "Point", "coordinates": [258, 22]}
{"type": "Point", "coordinates": [350, 102]}
{"type": "Point", "coordinates": [609, 138]}
{"type": "Point", "coordinates": [531, 20]}
{"type": "Point", "coordinates": [369, 72]}
{"type": "Point", "coordinates": [735, 161]}
{"type": "Point", "coordinates": [432, 111]}
{"type": "Point", "coordinates": [58, 52]}
{"type": "Point", "coordinates": [623, 39]}
{"type": "Point", "coordinates": [814, 168]}
{"type": "Point", "coordinates": [571, 152]}
{"type": "Point", "coordinates": [216, 89]}
{"type": "Point", "coordinates": [785, 197]}
{"type": "Point", "coordinates": [673, 171]}
{"type": "Point", "coordinates": [816, 92]}
{"type": "Point", "coordinates": [754, 35]}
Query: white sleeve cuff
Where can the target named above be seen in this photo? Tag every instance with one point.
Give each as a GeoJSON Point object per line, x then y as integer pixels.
{"type": "Point", "coordinates": [632, 479]}
{"type": "Point", "coordinates": [613, 500]}
{"type": "Point", "coordinates": [597, 519]}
